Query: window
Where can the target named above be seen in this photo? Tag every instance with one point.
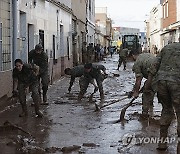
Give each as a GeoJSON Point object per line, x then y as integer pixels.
{"type": "Point", "coordinates": [5, 53]}
{"type": "Point", "coordinates": [90, 5]}
{"type": "Point", "coordinates": [164, 11]}
{"type": "Point", "coordinates": [167, 9]}
{"type": "Point", "coordinates": [62, 48]}
{"type": "Point", "coordinates": [5, 36]}
{"type": "Point", "coordinates": [41, 37]}
{"type": "Point", "coordinates": [130, 38]}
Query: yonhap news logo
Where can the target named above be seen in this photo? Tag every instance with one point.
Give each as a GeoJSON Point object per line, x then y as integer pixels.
{"type": "Point", "coordinates": [131, 139]}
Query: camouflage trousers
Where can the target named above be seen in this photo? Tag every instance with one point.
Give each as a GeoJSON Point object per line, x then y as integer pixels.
{"type": "Point", "coordinates": [122, 60]}
{"type": "Point", "coordinates": [44, 78]}
{"type": "Point", "coordinates": [169, 97]}
{"type": "Point", "coordinates": [22, 94]}
{"type": "Point", "coordinates": [90, 58]}
{"type": "Point", "coordinates": [84, 83]}
{"type": "Point", "coordinates": [148, 97]}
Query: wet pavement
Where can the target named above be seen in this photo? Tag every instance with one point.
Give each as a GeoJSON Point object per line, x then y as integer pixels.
{"type": "Point", "coordinates": [75, 127]}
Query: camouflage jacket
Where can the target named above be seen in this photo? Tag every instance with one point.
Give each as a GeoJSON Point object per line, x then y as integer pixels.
{"type": "Point", "coordinates": [167, 65]}
{"type": "Point", "coordinates": [90, 50]}
{"type": "Point", "coordinates": [77, 71]}
{"type": "Point", "coordinates": [143, 64]}
{"type": "Point", "coordinates": [26, 75]}
{"type": "Point", "coordinates": [99, 67]}
{"type": "Point", "coordinates": [123, 52]}
{"type": "Point", "coordinates": [39, 59]}
{"type": "Point", "coordinates": [95, 72]}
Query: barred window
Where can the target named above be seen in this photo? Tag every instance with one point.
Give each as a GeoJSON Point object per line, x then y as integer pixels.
{"type": "Point", "coordinates": [5, 52]}
{"type": "Point", "coordinates": [0, 46]}
{"type": "Point", "coordinates": [5, 36]}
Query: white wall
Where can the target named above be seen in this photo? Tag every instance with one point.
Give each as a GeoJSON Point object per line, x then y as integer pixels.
{"type": "Point", "coordinates": [155, 19]}
{"type": "Point", "coordinates": [155, 26]}
{"type": "Point", "coordinates": [178, 10]}
{"type": "Point", "coordinates": [44, 17]}
{"type": "Point", "coordinates": [65, 2]}
{"type": "Point", "coordinates": [91, 22]}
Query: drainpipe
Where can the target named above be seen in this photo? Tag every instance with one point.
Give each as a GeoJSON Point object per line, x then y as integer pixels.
{"type": "Point", "coordinates": [14, 39]}
{"type": "Point", "coordinates": [58, 39]}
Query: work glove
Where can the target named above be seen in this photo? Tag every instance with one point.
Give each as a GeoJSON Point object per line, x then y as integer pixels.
{"type": "Point", "coordinates": [135, 94]}
{"type": "Point", "coordinates": [15, 93]}
{"type": "Point", "coordinates": [130, 94]}
{"type": "Point", "coordinates": [105, 76]}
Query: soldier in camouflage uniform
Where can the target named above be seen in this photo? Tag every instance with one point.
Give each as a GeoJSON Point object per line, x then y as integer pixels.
{"type": "Point", "coordinates": [141, 68]}
{"type": "Point", "coordinates": [40, 58]}
{"type": "Point", "coordinates": [123, 53]}
{"type": "Point", "coordinates": [90, 53]}
{"type": "Point", "coordinates": [167, 67]}
{"type": "Point", "coordinates": [92, 71]}
{"type": "Point", "coordinates": [76, 71]}
{"type": "Point", "coordinates": [24, 76]}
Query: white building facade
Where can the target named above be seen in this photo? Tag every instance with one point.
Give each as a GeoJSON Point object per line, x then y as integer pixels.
{"type": "Point", "coordinates": [155, 27]}
{"type": "Point", "coordinates": [48, 23]}
{"type": "Point", "coordinates": [25, 23]}
{"type": "Point", "coordinates": [178, 19]}
{"type": "Point", "coordinates": [90, 36]}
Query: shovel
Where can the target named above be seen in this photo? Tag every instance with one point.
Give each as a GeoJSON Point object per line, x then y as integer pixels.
{"type": "Point", "coordinates": [128, 105]}
{"type": "Point", "coordinates": [115, 101]}
{"type": "Point", "coordinates": [7, 123]}
{"type": "Point", "coordinates": [91, 96]}
{"type": "Point", "coordinates": [125, 108]}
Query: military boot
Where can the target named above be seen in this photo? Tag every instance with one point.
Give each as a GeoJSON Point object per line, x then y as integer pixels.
{"type": "Point", "coordinates": [24, 111]}
{"type": "Point", "coordinates": [40, 94]}
{"type": "Point", "coordinates": [37, 111]}
{"type": "Point", "coordinates": [144, 115]}
{"type": "Point", "coordinates": [178, 144]}
{"type": "Point", "coordinates": [118, 68]}
{"type": "Point", "coordinates": [80, 96]}
{"type": "Point", "coordinates": [162, 145]}
{"type": "Point", "coordinates": [44, 100]}
{"type": "Point", "coordinates": [102, 96]}
{"type": "Point", "coordinates": [151, 111]}
{"type": "Point", "coordinates": [178, 147]}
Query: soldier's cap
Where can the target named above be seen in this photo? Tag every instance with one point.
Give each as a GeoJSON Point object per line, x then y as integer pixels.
{"type": "Point", "coordinates": [88, 66]}
{"type": "Point", "coordinates": [38, 47]}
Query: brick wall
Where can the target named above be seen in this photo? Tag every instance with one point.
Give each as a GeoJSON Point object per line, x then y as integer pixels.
{"type": "Point", "coordinates": [172, 15]}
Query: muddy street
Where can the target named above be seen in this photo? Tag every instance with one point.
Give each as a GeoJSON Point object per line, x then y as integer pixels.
{"type": "Point", "coordinates": [69, 126]}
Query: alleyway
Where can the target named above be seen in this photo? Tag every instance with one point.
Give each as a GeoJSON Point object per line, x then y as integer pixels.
{"type": "Point", "coordinates": [67, 122]}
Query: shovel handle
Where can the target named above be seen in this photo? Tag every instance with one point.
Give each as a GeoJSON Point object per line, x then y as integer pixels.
{"type": "Point", "coordinates": [116, 101]}
{"type": "Point", "coordinates": [125, 108]}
